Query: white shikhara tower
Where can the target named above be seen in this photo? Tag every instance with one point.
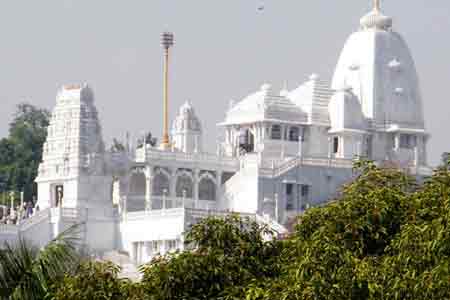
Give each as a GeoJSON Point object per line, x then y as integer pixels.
{"type": "Point", "coordinates": [187, 130]}
{"type": "Point", "coordinates": [376, 68]}
{"type": "Point", "coordinates": [72, 172]}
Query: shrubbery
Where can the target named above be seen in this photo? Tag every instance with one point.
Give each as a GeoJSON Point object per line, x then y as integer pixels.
{"type": "Point", "coordinates": [386, 237]}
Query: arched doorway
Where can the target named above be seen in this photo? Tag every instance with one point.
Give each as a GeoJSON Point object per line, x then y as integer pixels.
{"type": "Point", "coordinates": [184, 186]}
{"type": "Point", "coordinates": [137, 184]}
{"type": "Point", "coordinates": [136, 197]}
{"type": "Point", "coordinates": [207, 189]}
{"type": "Point", "coordinates": [161, 184]}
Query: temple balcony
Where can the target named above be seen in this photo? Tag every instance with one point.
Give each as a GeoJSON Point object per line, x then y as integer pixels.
{"type": "Point", "coordinates": [138, 203]}
{"type": "Point", "coordinates": [186, 160]}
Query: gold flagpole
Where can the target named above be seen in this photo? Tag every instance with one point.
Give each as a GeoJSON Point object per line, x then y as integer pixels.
{"type": "Point", "coordinates": [166, 42]}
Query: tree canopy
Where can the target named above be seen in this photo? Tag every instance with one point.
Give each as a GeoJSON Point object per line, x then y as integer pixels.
{"type": "Point", "coordinates": [21, 151]}
{"type": "Point", "coordinates": [386, 237]}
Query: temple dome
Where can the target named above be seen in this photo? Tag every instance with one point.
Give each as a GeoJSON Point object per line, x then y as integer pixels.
{"type": "Point", "coordinates": [378, 66]}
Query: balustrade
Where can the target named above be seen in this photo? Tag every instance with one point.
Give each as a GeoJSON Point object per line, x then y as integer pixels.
{"type": "Point", "coordinates": [277, 170]}
{"type": "Point", "coordinates": [155, 154]}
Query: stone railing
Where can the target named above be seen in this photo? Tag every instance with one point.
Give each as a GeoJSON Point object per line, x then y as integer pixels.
{"type": "Point", "coordinates": [217, 213]}
{"type": "Point", "coordinates": [139, 215]}
{"type": "Point", "coordinates": [275, 226]}
{"type": "Point", "coordinates": [193, 215]}
{"type": "Point", "coordinates": [152, 154]}
{"type": "Point", "coordinates": [160, 202]}
{"type": "Point", "coordinates": [284, 167]}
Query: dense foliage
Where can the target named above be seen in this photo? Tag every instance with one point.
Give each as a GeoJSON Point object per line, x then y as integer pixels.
{"type": "Point", "coordinates": [21, 151]}
{"type": "Point", "coordinates": [386, 237]}
{"type": "Point", "coordinates": [94, 280]}
{"type": "Point", "coordinates": [229, 254]}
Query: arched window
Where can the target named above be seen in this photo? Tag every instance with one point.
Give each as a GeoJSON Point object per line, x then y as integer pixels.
{"type": "Point", "coordinates": [294, 134]}
{"type": "Point", "coordinates": [184, 186]}
{"type": "Point", "coordinates": [276, 132]}
{"type": "Point", "coordinates": [160, 184]}
{"type": "Point", "coordinates": [137, 184]}
{"type": "Point", "coordinates": [207, 189]}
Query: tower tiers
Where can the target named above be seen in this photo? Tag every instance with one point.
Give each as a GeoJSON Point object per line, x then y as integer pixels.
{"type": "Point", "coordinates": [187, 130]}
{"type": "Point", "coordinates": [73, 150]}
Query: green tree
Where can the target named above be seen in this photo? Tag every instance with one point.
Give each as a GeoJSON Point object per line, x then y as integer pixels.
{"type": "Point", "coordinates": [95, 280]}
{"type": "Point", "coordinates": [21, 151]}
{"type": "Point", "coordinates": [27, 272]}
{"type": "Point", "coordinates": [323, 257]}
{"type": "Point", "coordinates": [228, 254]}
{"type": "Point", "coordinates": [385, 237]}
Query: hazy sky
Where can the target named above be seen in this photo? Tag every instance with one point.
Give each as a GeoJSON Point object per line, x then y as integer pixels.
{"type": "Point", "coordinates": [224, 50]}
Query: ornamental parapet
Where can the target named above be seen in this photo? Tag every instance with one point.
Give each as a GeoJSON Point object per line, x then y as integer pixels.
{"type": "Point", "coordinates": [155, 155]}
{"type": "Point", "coordinates": [275, 170]}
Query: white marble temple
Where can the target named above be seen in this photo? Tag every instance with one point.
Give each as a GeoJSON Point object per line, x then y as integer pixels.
{"type": "Point", "coordinates": [282, 153]}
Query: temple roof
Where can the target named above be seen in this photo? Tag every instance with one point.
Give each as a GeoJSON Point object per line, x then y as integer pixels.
{"type": "Point", "coordinates": [264, 105]}
{"type": "Point", "coordinates": [313, 97]}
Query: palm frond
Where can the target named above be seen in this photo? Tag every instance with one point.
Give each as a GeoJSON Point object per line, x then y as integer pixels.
{"type": "Point", "coordinates": [27, 272]}
{"type": "Point", "coordinates": [15, 263]}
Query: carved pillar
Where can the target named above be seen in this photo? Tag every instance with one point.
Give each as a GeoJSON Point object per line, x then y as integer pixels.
{"type": "Point", "coordinates": [265, 131]}
{"type": "Point", "coordinates": [125, 209]}
{"type": "Point", "coordinates": [148, 187]}
{"type": "Point", "coordinates": [218, 187]}
{"type": "Point", "coordinates": [330, 140]}
{"type": "Point", "coordinates": [196, 185]}
{"type": "Point", "coordinates": [172, 182]}
{"type": "Point", "coordinates": [124, 189]}
{"type": "Point", "coordinates": [396, 141]}
{"type": "Point", "coordinates": [258, 136]}
{"type": "Point", "coordinates": [300, 142]}
{"type": "Point", "coordinates": [276, 207]}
